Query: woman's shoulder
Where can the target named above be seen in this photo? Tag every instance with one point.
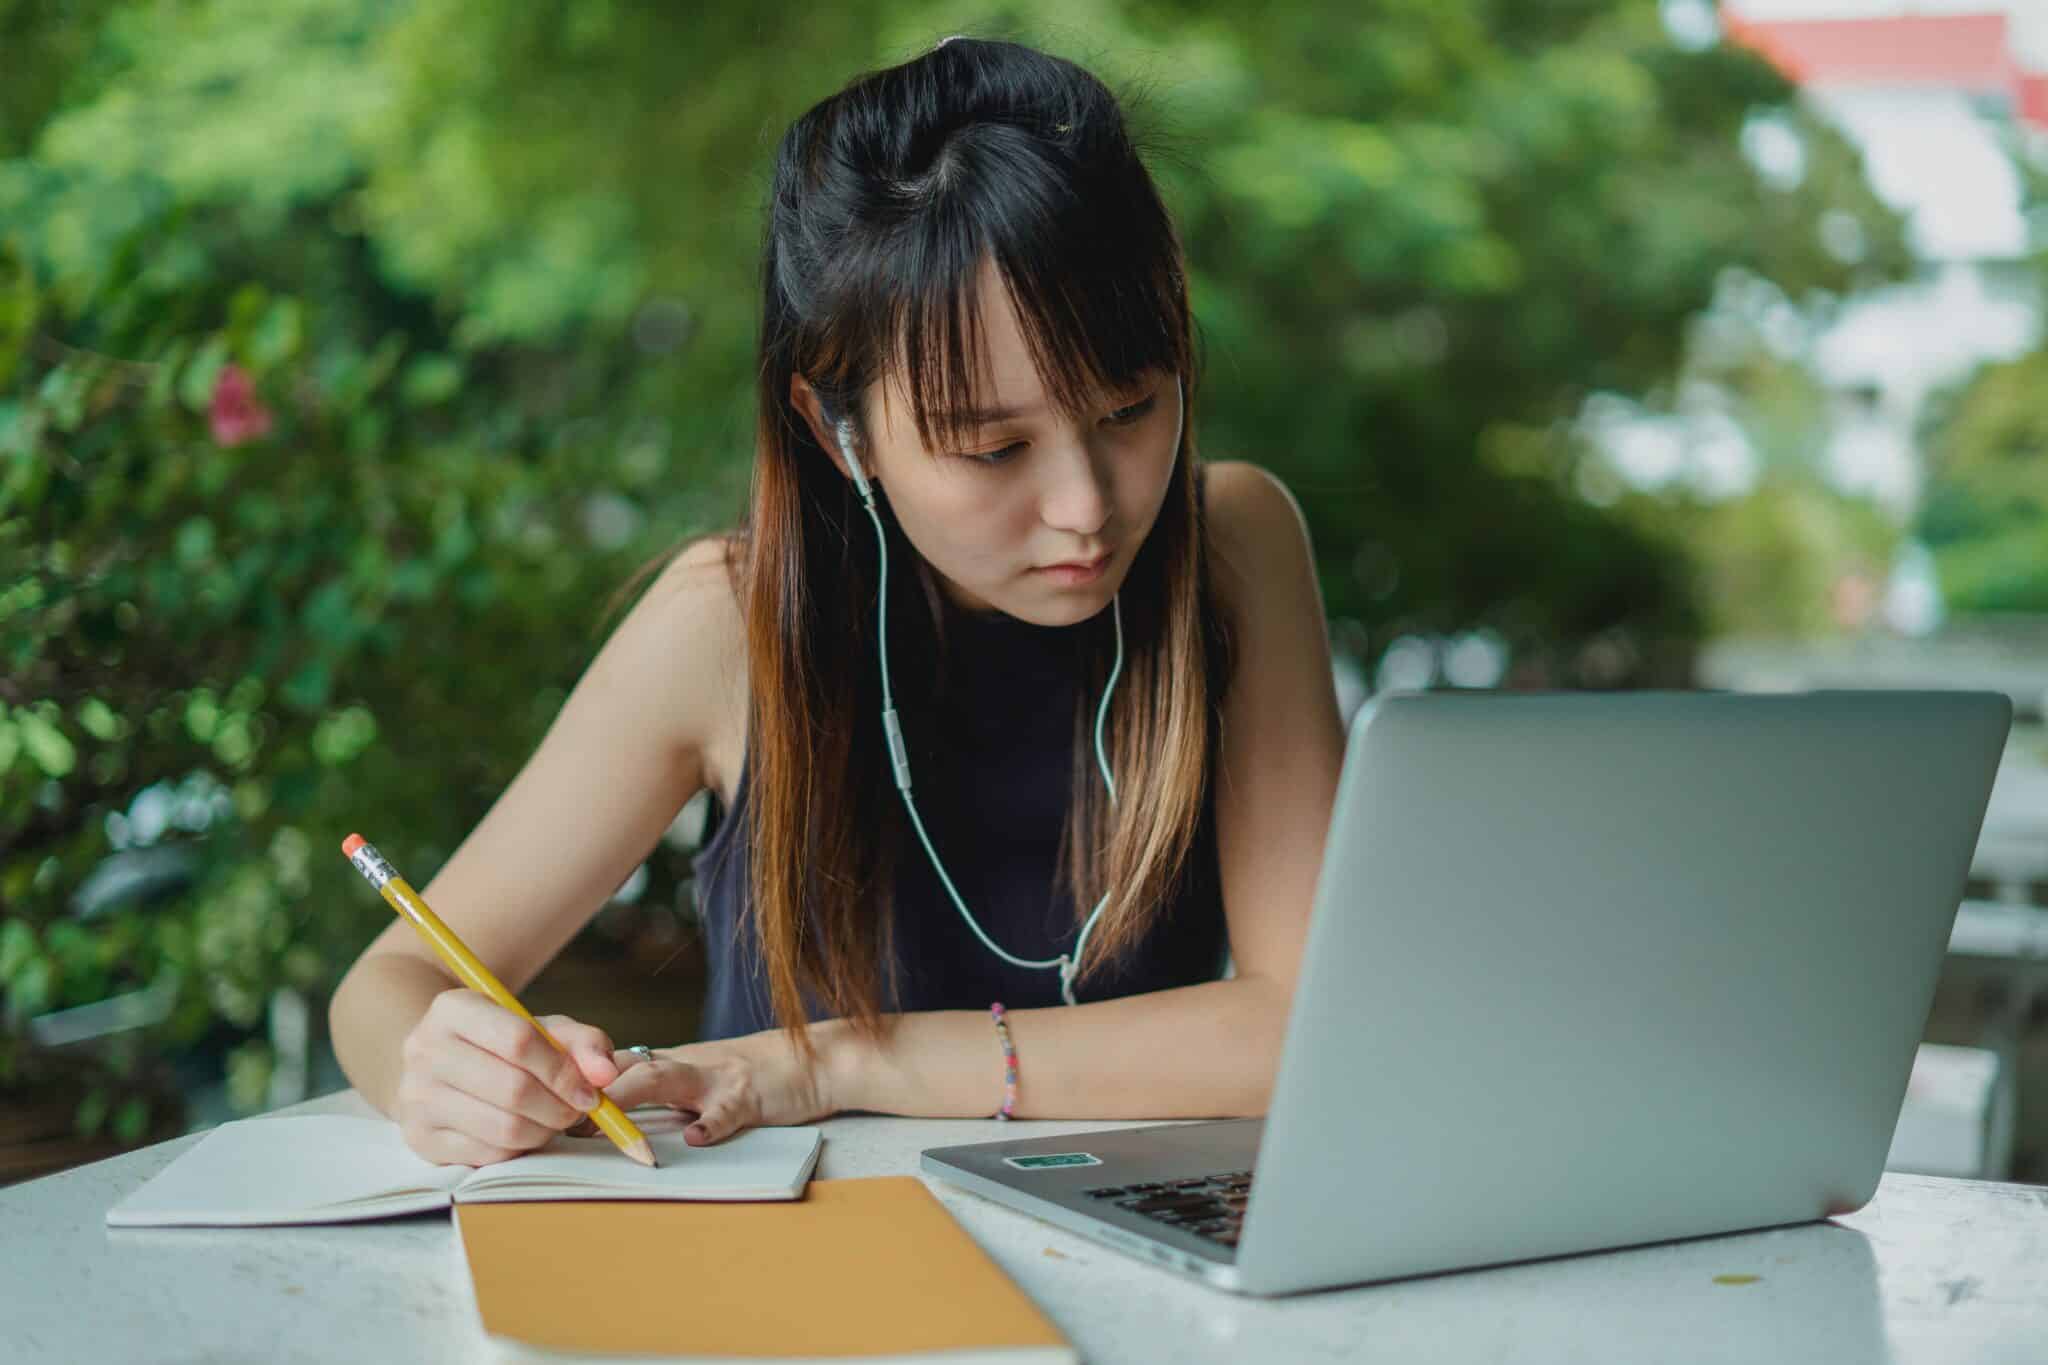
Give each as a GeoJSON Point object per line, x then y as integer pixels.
{"type": "Point", "coordinates": [695, 595]}
{"type": "Point", "coordinates": [704, 567]}
{"type": "Point", "coordinates": [1252, 524]}
{"type": "Point", "coordinates": [687, 626]}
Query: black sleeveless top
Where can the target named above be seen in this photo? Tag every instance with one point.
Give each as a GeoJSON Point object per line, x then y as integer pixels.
{"type": "Point", "coordinates": [992, 790]}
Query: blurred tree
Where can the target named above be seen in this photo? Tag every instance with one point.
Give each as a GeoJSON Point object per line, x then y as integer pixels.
{"type": "Point", "coordinates": [268, 532]}
{"type": "Point", "coordinates": [1419, 241]}
{"type": "Point", "coordinates": [351, 351]}
{"type": "Point", "coordinates": [1780, 550]}
{"type": "Point", "coordinates": [48, 46]}
{"type": "Point", "coordinates": [1985, 514]}
{"type": "Point", "coordinates": [1430, 235]}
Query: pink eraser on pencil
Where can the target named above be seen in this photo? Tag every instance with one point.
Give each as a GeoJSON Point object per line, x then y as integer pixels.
{"type": "Point", "coordinates": [351, 844]}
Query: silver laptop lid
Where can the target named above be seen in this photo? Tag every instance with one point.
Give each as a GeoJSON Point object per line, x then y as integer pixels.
{"type": "Point", "coordinates": [1593, 970]}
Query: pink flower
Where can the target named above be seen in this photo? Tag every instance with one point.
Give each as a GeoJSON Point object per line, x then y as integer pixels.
{"type": "Point", "coordinates": [237, 414]}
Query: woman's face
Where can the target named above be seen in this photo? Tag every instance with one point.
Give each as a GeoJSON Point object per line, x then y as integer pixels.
{"type": "Point", "coordinates": [1029, 490]}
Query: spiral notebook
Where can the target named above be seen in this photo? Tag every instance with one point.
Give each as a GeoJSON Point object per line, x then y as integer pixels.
{"type": "Point", "coordinates": [333, 1168]}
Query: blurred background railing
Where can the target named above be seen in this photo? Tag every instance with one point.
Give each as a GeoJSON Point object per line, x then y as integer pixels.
{"type": "Point", "coordinates": [351, 353]}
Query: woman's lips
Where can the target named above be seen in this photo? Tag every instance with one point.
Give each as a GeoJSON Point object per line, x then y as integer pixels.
{"type": "Point", "coordinates": [1073, 574]}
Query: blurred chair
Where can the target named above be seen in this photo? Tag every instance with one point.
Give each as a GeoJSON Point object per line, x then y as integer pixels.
{"type": "Point", "coordinates": [1958, 1116]}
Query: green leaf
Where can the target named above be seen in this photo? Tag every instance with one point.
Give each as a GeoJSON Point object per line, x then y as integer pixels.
{"type": "Point", "coordinates": [91, 1114]}
{"type": "Point", "coordinates": [13, 424]}
{"type": "Point", "coordinates": [195, 385]}
{"type": "Point", "coordinates": [329, 613]}
{"type": "Point", "coordinates": [131, 1120]}
{"type": "Point", "coordinates": [46, 744]}
{"type": "Point", "coordinates": [249, 303]}
{"type": "Point", "coordinates": [431, 379]}
{"type": "Point", "coordinates": [411, 581]}
{"type": "Point", "coordinates": [249, 1066]}
{"type": "Point", "coordinates": [32, 987]}
{"type": "Point", "coordinates": [278, 336]}
{"type": "Point", "coordinates": [165, 373]}
{"type": "Point", "coordinates": [194, 544]}
{"type": "Point", "coordinates": [17, 946]}
{"type": "Point", "coordinates": [63, 396]}
{"type": "Point", "coordinates": [71, 946]}
{"type": "Point", "coordinates": [202, 714]}
{"type": "Point", "coordinates": [98, 720]}
{"type": "Point", "coordinates": [306, 691]}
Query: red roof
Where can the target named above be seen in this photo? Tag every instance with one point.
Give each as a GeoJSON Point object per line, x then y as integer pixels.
{"type": "Point", "coordinates": [2033, 99]}
{"type": "Point", "coordinates": [1970, 52]}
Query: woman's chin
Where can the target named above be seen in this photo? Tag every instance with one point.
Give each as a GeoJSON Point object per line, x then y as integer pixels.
{"type": "Point", "coordinates": [1037, 600]}
{"type": "Point", "coordinates": [1061, 606]}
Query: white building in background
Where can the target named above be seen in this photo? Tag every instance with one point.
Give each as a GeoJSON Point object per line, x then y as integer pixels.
{"type": "Point", "coordinates": [1938, 96]}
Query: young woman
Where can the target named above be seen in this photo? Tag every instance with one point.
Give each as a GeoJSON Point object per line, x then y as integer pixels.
{"type": "Point", "coordinates": [1111, 738]}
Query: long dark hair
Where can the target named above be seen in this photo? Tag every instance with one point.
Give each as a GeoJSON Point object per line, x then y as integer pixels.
{"type": "Point", "coordinates": [887, 199]}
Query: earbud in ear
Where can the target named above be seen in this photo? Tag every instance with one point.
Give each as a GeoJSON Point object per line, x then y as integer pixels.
{"type": "Point", "coordinates": [842, 427]}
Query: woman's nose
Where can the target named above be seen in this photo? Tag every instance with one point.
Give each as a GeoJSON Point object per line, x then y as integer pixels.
{"type": "Point", "coordinates": [1078, 498]}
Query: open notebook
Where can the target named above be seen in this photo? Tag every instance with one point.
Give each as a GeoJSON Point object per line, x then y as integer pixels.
{"type": "Point", "coordinates": [332, 1168]}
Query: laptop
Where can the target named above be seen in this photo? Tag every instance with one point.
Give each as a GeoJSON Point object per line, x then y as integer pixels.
{"type": "Point", "coordinates": [1583, 971]}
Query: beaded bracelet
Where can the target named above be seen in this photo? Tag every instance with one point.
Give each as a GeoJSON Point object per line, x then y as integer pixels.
{"type": "Point", "coordinates": [1009, 1063]}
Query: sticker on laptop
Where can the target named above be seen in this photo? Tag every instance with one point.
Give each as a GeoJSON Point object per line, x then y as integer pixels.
{"type": "Point", "coordinates": [1051, 1161]}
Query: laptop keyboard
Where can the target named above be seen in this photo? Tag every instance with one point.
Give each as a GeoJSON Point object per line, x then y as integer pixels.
{"type": "Point", "coordinates": [1210, 1206]}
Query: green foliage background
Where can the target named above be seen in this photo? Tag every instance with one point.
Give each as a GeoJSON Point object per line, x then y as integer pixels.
{"type": "Point", "coordinates": [1986, 514]}
{"type": "Point", "coordinates": [491, 268]}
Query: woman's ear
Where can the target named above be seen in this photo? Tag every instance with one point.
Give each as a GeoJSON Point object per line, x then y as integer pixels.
{"type": "Point", "coordinates": [805, 399]}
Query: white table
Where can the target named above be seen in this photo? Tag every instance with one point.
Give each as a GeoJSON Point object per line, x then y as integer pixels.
{"type": "Point", "coordinates": [1934, 1270]}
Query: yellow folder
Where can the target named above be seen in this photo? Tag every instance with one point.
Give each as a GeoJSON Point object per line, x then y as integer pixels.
{"type": "Point", "coordinates": [871, 1268]}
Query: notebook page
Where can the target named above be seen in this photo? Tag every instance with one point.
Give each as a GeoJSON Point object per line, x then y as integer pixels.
{"type": "Point", "coordinates": [285, 1170]}
{"type": "Point", "coordinates": [759, 1163]}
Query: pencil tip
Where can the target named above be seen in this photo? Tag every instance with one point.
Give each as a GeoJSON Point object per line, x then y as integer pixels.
{"type": "Point", "coordinates": [643, 1153]}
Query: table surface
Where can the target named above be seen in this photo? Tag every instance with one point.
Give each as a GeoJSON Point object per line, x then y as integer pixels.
{"type": "Point", "coordinates": [1931, 1270]}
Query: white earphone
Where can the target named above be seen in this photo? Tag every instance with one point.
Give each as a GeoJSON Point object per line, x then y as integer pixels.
{"type": "Point", "coordinates": [1067, 963]}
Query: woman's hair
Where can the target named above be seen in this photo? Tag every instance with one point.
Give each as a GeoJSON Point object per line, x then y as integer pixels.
{"type": "Point", "coordinates": [887, 199]}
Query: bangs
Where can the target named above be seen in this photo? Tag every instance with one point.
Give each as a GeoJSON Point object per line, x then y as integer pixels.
{"type": "Point", "coordinates": [1092, 276]}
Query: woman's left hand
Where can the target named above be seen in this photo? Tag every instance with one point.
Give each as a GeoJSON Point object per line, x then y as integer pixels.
{"type": "Point", "coordinates": [724, 1087]}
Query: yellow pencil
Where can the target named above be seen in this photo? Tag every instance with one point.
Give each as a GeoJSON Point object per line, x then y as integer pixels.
{"type": "Point", "coordinates": [453, 951]}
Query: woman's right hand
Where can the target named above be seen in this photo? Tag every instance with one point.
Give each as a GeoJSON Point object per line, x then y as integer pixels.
{"type": "Point", "coordinates": [479, 1085]}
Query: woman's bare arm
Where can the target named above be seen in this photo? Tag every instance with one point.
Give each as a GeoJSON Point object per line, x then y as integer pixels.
{"type": "Point", "coordinates": [620, 759]}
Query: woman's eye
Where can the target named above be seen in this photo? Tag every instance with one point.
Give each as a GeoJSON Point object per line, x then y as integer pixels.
{"type": "Point", "coordinates": [1122, 417]}
{"type": "Point", "coordinates": [997, 456]}
{"type": "Point", "coordinates": [1125, 416]}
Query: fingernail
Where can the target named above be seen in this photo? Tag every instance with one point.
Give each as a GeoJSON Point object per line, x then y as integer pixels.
{"type": "Point", "coordinates": [585, 1100]}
